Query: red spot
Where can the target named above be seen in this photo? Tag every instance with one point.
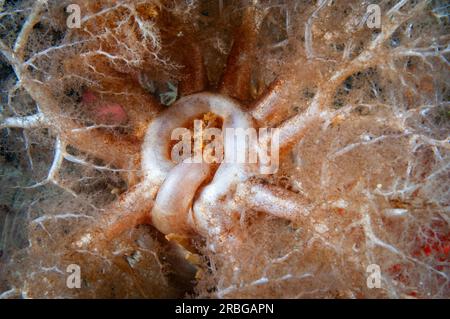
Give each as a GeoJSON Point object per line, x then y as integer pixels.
{"type": "Point", "coordinates": [434, 241]}
{"type": "Point", "coordinates": [398, 273]}
{"type": "Point", "coordinates": [427, 250]}
{"type": "Point", "coordinates": [446, 249]}
{"type": "Point", "coordinates": [413, 294]}
{"type": "Point", "coordinates": [396, 268]}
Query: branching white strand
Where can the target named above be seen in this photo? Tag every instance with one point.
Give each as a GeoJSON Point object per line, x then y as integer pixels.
{"type": "Point", "coordinates": [273, 200]}
{"type": "Point", "coordinates": [58, 158]}
{"type": "Point", "coordinates": [370, 141]}
{"type": "Point", "coordinates": [49, 50]}
{"type": "Point", "coordinates": [80, 161]}
{"type": "Point", "coordinates": [27, 122]}
{"type": "Point", "coordinates": [308, 29]}
{"type": "Point", "coordinates": [27, 28]}
{"type": "Point", "coordinates": [44, 218]}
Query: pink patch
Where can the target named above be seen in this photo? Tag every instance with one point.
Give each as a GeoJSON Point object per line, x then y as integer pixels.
{"type": "Point", "coordinates": [110, 114]}
{"type": "Point", "coordinates": [88, 97]}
